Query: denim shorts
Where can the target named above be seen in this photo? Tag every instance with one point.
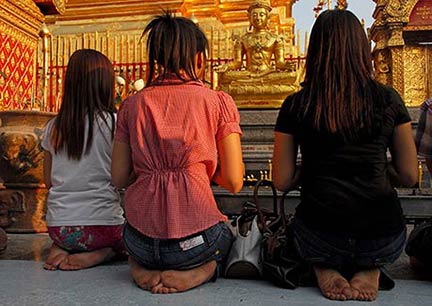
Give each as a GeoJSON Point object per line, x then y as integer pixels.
{"type": "Point", "coordinates": [179, 254]}
{"type": "Point", "coordinates": [345, 253]}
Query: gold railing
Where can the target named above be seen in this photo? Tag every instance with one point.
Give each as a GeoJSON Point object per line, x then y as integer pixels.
{"type": "Point", "coordinates": [130, 72]}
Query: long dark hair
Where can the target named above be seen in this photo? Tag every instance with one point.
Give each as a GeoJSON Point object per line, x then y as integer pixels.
{"type": "Point", "coordinates": [339, 86]}
{"type": "Point", "coordinates": [88, 91]}
{"type": "Point", "coordinates": [172, 44]}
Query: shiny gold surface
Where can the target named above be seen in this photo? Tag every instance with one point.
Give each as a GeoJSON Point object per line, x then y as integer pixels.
{"type": "Point", "coordinates": [20, 19]}
{"type": "Point", "coordinates": [114, 27]}
{"type": "Point", "coordinates": [228, 11]}
{"type": "Point", "coordinates": [401, 62]}
{"type": "Point", "coordinates": [258, 76]}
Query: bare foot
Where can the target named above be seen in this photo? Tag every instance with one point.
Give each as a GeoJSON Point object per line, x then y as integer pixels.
{"type": "Point", "coordinates": [86, 259]}
{"type": "Point", "coordinates": [145, 279]}
{"type": "Point", "coordinates": [160, 288]}
{"type": "Point", "coordinates": [55, 257]}
{"type": "Point", "coordinates": [332, 284]}
{"type": "Point", "coordinates": [366, 283]}
{"type": "Point", "coordinates": [178, 281]}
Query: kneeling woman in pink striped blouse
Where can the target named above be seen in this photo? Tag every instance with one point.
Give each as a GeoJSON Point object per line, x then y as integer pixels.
{"type": "Point", "coordinates": [173, 138]}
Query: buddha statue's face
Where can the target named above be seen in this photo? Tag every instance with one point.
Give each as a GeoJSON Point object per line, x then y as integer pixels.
{"type": "Point", "coordinates": [258, 17]}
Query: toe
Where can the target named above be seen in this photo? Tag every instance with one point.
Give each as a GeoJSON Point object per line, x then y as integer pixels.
{"type": "Point", "coordinates": [49, 267]}
{"type": "Point", "coordinates": [347, 293]}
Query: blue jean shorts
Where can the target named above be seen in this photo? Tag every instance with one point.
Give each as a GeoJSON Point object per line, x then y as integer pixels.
{"type": "Point", "coordinates": [179, 254]}
{"type": "Point", "coordinates": [345, 253]}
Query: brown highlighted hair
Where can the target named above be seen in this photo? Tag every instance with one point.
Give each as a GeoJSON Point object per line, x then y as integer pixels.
{"type": "Point", "coordinates": [339, 87]}
{"type": "Point", "coordinates": [88, 92]}
{"type": "Point", "coordinates": [172, 44]}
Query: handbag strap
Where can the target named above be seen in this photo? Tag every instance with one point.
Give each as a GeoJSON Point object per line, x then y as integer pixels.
{"type": "Point", "coordinates": [282, 208]}
{"type": "Point", "coordinates": [262, 220]}
{"type": "Point", "coordinates": [265, 183]}
{"type": "Point", "coordinates": [281, 217]}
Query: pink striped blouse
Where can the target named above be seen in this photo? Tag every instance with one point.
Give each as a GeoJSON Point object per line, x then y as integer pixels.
{"type": "Point", "coordinates": [172, 129]}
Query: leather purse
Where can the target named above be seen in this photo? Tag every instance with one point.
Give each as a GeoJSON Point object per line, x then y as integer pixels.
{"type": "Point", "coordinates": [281, 262]}
{"type": "Point", "coordinates": [244, 259]}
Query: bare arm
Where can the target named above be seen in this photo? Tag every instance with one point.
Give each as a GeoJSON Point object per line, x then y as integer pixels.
{"type": "Point", "coordinates": [121, 165]}
{"type": "Point", "coordinates": [229, 174]}
{"type": "Point", "coordinates": [47, 169]}
{"type": "Point", "coordinates": [404, 155]}
{"type": "Point", "coordinates": [285, 173]}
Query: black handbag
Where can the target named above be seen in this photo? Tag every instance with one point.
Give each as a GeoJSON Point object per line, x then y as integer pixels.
{"type": "Point", "coordinates": [280, 259]}
{"type": "Point", "coordinates": [419, 243]}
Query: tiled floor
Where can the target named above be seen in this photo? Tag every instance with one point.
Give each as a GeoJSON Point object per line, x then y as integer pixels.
{"type": "Point", "coordinates": [24, 282]}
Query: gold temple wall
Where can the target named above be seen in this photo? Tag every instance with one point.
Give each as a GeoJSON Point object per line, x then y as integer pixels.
{"type": "Point", "coordinates": [417, 74]}
{"type": "Point", "coordinates": [117, 34]}
{"type": "Point", "coordinates": [402, 33]}
{"type": "Point", "coordinates": [20, 21]}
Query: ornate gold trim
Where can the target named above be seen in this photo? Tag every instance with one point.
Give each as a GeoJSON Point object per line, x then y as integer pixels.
{"type": "Point", "coordinates": [18, 35]}
{"type": "Point", "coordinates": [20, 17]}
{"type": "Point", "coordinates": [23, 6]}
{"type": "Point", "coordinates": [418, 28]}
{"type": "Point", "coordinates": [397, 69]}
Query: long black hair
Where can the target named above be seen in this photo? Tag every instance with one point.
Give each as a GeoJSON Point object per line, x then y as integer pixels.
{"type": "Point", "coordinates": [172, 44]}
{"type": "Point", "coordinates": [339, 86]}
{"type": "Point", "coordinates": [88, 92]}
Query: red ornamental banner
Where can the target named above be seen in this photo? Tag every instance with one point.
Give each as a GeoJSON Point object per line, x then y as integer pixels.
{"type": "Point", "coordinates": [17, 74]}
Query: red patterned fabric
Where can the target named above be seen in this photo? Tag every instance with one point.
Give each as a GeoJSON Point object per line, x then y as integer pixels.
{"type": "Point", "coordinates": [17, 62]}
{"type": "Point", "coordinates": [88, 238]}
{"type": "Point", "coordinates": [172, 129]}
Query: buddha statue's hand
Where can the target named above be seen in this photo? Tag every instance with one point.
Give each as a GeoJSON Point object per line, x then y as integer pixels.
{"type": "Point", "coordinates": [222, 68]}
{"type": "Point", "coordinates": [287, 66]}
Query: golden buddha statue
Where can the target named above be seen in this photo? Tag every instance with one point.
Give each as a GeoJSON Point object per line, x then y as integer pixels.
{"type": "Point", "coordinates": [267, 78]}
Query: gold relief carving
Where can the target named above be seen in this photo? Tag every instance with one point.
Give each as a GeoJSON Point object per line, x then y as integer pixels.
{"type": "Point", "coordinates": [398, 10]}
{"type": "Point", "coordinates": [397, 69]}
{"type": "Point", "coordinates": [11, 203]}
{"type": "Point", "coordinates": [380, 39]}
{"type": "Point", "coordinates": [396, 38]}
{"type": "Point", "coordinates": [27, 6]}
{"type": "Point", "coordinates": [421, 28]}
{"type": "Point", "coordinates": [25, 24]}
{"type": "Point", "coordinates": [18, 35]}
{"type": "Point", "coordinates": [383, 67]}
{"type": "Point", "coordinates": [394, 8]}
{"type": "Point", "coordinates": [415, 71]}
{"type": "Point", "coordinates": [61, 5]}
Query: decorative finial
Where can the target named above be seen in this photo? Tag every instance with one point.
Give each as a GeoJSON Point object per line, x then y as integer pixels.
{"type": "Point", "coordinates": [317, 9]}
{"type": "Point", "coordinates": [341, 5]}
{"type": "Point", "coordinates": [44, 31]}
{"type": "Point", "coordinates": [194, 19]}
